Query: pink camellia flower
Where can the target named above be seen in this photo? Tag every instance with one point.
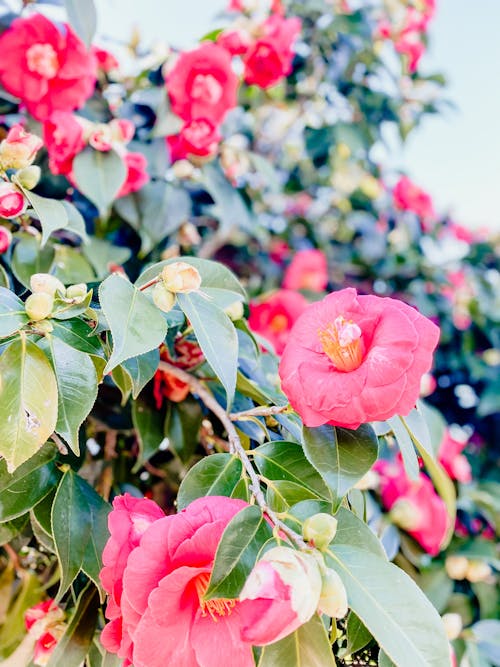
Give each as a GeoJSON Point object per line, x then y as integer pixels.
{"type": "Point", "coordinates": [270, 58]}
{"type": "Point", "coordinates": [236, 42]}
{"type": "Point", "coordinates": [414, 505]}
{"type": "Point", "coordinates": [5, 239]}
{"type": "Point", "coordinates": [202, 84]}
{"type": "Point", "coordinates": [105, 60]}
{"type": "Point", "coordinates": [198, 137]}
{"type": "Point", "coordinates": [163, 617]}
{"type": "Point", "coordinates": [45, 622]}
{"type": "Point", "coordinates": [47, 67]}
{"type": "Point", "coordinates": [411, 46]}
{"type": "Point", "coordinates": [12, 201]}
{"type": "Point", "coordinates": [137, 176]}
{"type": "Point", "coordinates": [274, 316]}
{"type": "Point", "coordinates": [353, 359]}
{"type": "Point", "coordinates": [308, 270]}
{"type": "Point", "coordinates": [19, 148]}
{"type": "Point", "coordinates": [64, 137]}
{"type": "Point", "coordinates": [409, 197]}
{"type": "Point", "coordinates": [451, 458]}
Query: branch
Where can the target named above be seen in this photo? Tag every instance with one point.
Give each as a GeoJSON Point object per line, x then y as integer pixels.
{"type": "Point", "coordinates": [235, 445]}
{"type": "Point", "coordinates": [259, 411]}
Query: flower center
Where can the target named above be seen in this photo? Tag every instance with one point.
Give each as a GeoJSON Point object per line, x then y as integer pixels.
{"type": "Point", "coordinates": [342, 343]}
{"type": "Point", "coordinates": [278, 324]}
{"type": "Point", "coordinates": [212, 608]}
{"type": "Point", "coordinates": [206, 87]}
{"type": "Point", "coordinates": [42, 59]}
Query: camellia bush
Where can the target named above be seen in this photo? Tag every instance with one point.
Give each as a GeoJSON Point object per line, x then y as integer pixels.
{"type": "Point", "coordinates": [241, 359]}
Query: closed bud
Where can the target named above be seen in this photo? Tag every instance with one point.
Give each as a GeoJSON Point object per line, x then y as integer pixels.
{"type": "Point", "coordinates": [12, 201]}
{"type": "Point", "coordinates": [163, 298]}
{"type": "Point", "coordinates": [5, 239]}
{"type": "Point", "coordinates": [78, 291]}
{"type": "Point", "coordinates": [19, 148]}
{"type": "Point", "coordinates": [405, 515]}
{"type": "Point", "coordinates": [181, 277]}
{"type": "Point", "coordinates": [456, 567]}
{"type": "Point", "coordinates": [333, 598]}
{"type": "Point", "coordinates": [452, 625]}
{"type": "Point", "coordinates": [320, 529]}
{"type": "Point", "coordinates": [39, 306]}
{"type": "Point", "coordinates": [477, 570]}
{"type": "Point", "coordinates": [234, 311]}
{"type": "Point", "coordinates": [45, 326]}
{"type": "Point", "coordinates": [28, 177]}
{"type": "Point", "coordinates": [45, 282]}
{"type": "Point", "coordinates": [183, 169]}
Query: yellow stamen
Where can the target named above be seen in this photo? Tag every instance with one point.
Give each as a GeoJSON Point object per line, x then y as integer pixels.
{"type": "Point", "coordinates": [342, 343]}
{"type": "Point", "coordinates": [212, 608]}
{"type": "Point", "coordinates": [278, 323]}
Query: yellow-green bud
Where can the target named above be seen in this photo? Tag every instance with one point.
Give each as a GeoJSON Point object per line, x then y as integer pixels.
{"type": "Point", "coordinates": [163, 298]}
{"type": "Point", "coordinates": [333, 598]}
{"type": "Point", "coordinates": [181, 277]}
{"type": "Point", "coordinates": [453, 625]}
{"type": "Point", "coordinates": [234, 311]}
{"type": "Point", "coordinates": [320, 529]}
{"type": "Point", "coordinates": [78, 291]}
{"type": "Point", "coordinates": [456, 567]}
{"type": "Point", "coordinates": [45, 326]}
{"type": "Point", "coordinates": [38, 306]}
{"type": "Point", "coordinates": [46, 283]}
{"type": "Point", "coordinates": [29, 176]}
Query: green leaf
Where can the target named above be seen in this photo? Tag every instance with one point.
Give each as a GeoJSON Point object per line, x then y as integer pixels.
{"type": "Point", "coordinates": [215, 333]}
{"type": "Point", "coordinates": [406, 447]}
{"type": "Point", "coordinates": [237, 552]}
{"type": "Point", "coordinates": [77, 389]}
{"type": "Point", "coordinates": [136, 324]}
{"type": "Point", "coordinates": [50, 212]}
{"type": "Point", "coordinates": [182, 426]}
{"type": "Point", "coordinates": [141, 369]}
{"type": "Point", "coordinates": [341, 456]}
{"type": "Point", "coordinates": [72, 647]}
{"type": "Point", "coordinates": [79, 517]}
{"type": "Point", "coordinates": [29, 258]}
{"type": "Point", "coordinates": [99, 176]}
{"type": "Point", "coordinates": [102, 254]}
{"type": "Point", "coordinates": [281, 460]}
{"type": "Point", "coordinates": [124, 383]}
{"type": "Point", "coordinates": [76, 223]}
{"type": "Point", "coordinates": [71, 266]}
{"type": "Point", "coordinates": [384, 660]}
{"type": "Point", "coordinates": [308, 646]}
{"type": "Point", "coordinates": [392, 608]}
{"type": "Point", "coordinates": [282, 494]}
{"type": "Point", "coordinates": [31, 482]}
{"type": "Point", "coordinates": [77, 334]}
{"type": "Point", "coordinates": [230, 208]}
{"type": "Point", "coordinates": [351, 531]}
{"type": "Point", "coordinates": [148, 423]}
{"type": "Point", "coordinates": [8, 531]}
{"type": "Point", "coordinates": [83, 18]}
{"type": "Point", "coordinates": [214, 475]}
{"type": "Point", "coordinates": [13, 629]}
{"type": "Point", "coordinates": [357, 635]}
{"type": "Point", "coordinates": [28, 401]}
{"type": "Point", "coordinates": [12, 314]}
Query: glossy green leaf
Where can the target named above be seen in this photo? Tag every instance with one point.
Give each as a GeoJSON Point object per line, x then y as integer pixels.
{"type": "Point", "coordinates": [357, 635]}
{"type": "Point", "coordinates": [136, 324]}
{"type": "Point", "coordinates": [182, 426]}
{"type": "Point", "coordinates": [77, 389]}
{"type": "Point", "coordinates": [237, 552]}
{"type": "Point", "coordinates": [72, 647]}
{"type": "Point", "coordinates": [384, 660]}
{"type": "Point", "coordinates": [282, 494]}
{"type": "Point", "coordinates": [392, 608]}
{"type": "Point", "coordinates": [71, 266]}
{"type": "Point", "coordinates": [77, 334]}
{"type": "Point", "coordinates": [229, 207]}
{"type": "Point", "coordinates": [124, 383]}
{"type": "Point", "coordinates": [29, 483]}
{"type": "Point", "coordinates": [214, 332]}
{"type": "Point", "coordinates": [28, 401]}
{"type": "Point", "coordinates": [8, 531]}
{"type": "Point", "coordinates": [102, 254]}
{"type": "Point", "coordinates": [406, 447]}
{"type": "Point", "coordinates": [308, 646]}
{"type": "Point", "coordinates": [82, 16]}
{"type": "Point", "coordinates": [215, 475]}
{"type": "Point", "coordinates": [12, 314]}
{"type": "Point", "coordinates": [141, 369]}
{"type": "Point", "coordinates": [148, 423]}
{"type": "Point", "coordinates": [29, 258]}
{"type": "Point", "coordinates": [99, 176]}
{"type": "Point", "coordinates": [50, 212]}
{"type": "Point", "coordinates": [76, 223]}
{"type": "Point", "coordinates": [341, 456]}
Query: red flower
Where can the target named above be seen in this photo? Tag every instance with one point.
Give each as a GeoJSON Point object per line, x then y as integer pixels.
{"type": "Point", "coordinates": [47, 68]}
{"type": "Point", "coordinates": [451, 458]}
{"type": "Point", "coordinates": [5, 239]}
{"type": "Point", "coordinates": [137, 176]}
{"type": "Point", "coordinates": [414, 505]}
{"type": "Point", "coordinates": [270, 58]}
{"type": "Point", "coordinates": [409, 197]}
{"type": "Point", "coordinates": [164, 618]}
{"type": "Point", "coordinates": [63, 136]}
{"type": "Point", "coordinates": [354, 359]}
{"type": "Point", "coordinates": [274, 316]}
{"type": "Point", "coordinates": [166, 385]}
{"type": "Point", "coordinates": [236, 42]}
{"type": "Point", "coordinates": [202, 84]}
{"type": "Point", "coordinates": [308, 270]}
{"type": "Point", "coordinates": [104, 59]}
{"type": "Point", "coordinates": [12, 201]}
{"type": "Point", "coordinates": [198, 137]}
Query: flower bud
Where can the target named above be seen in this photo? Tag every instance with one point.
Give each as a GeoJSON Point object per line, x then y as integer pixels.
{"type": "Point", "coordinates": [45, 282]}
{"type": "Point", "coordinates": [452, 625]}
{"type": "Point", "coordinates": [477, 570]}
{"type": "Point", "coordinates": [19, 148]}
{"type": "Point", "coordinates": [78, 291]}
{"type": "Point", "coordinates": [163, 298]}
{"type": "Point", "coordinates": [39, 306]}
{"type": "Point", "coordinates": [183, 169]}
{"type": "Point", "coordinates": [234, 311]}
{"type": "Point", "coordinates": [370, 186]}
{"type": "Point", "coordinates": [28, 177]}
{"type": "Point", "coordinates": [456, 567]}
{"type": "Point", "coordinates": [181, 277]}
{"type": "Point", "coordinates": [12, 201]}
{"type": "Point", "coordinates": [405, 515]}
{"type": "Point", "coordinates": [122, 130]}
{"type": "Point", "coordinates": [320, 529]}
{"type": "Point", "coordinates": [333, 598]}
{"type": "Point", "coordinates": [188, 235]}
{"type": "Point", "coordinates": [5, 239]}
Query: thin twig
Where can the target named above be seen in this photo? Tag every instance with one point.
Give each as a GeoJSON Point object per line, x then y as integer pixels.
{"type": "Point", "coordinates": [150, 283]}
{"type": "Point", "coordinates": [235, 445]}
{"type": "Point", "coordinates": [59, 444]}
{"type": "Point", "coordinates": [259, 411]}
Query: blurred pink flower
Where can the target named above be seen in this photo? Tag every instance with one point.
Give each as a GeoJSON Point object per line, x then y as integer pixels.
{"type": "Point", "coordinates": [409, 197]}
{"type": "Point", "coordinates": [308, 270]}
{"type": "Point", "coordinates": [274, 316]}
{"type": "Point", "coordinates": [198, 137]}
{"type": "Point", "coordinates": [451, 458]}
{"type": "Point", "coordinates": [63, 136]}
{"type": "Point", "coordinates": [137, 176]}
{"type": "Point", "coordinates": [353, 359]}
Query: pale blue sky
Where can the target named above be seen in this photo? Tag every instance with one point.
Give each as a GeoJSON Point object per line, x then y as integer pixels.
{"type": "Point", "coordinates": [455, 156]}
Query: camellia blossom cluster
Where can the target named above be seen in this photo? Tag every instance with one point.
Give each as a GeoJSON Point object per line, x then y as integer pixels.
{"type": "Point", "coordinates": [156, 572]}
{"type": "Point", "coordinates": [45, 622]}
{"type": "Point", "coordinates": [353, 359]}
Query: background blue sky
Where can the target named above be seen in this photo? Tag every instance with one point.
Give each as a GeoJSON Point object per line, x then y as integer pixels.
{"type": "Point", "coordinates": [456, 156]}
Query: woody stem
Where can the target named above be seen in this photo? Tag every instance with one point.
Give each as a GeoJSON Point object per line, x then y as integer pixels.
{"type": "Point", "coordinates": [235, 445]}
